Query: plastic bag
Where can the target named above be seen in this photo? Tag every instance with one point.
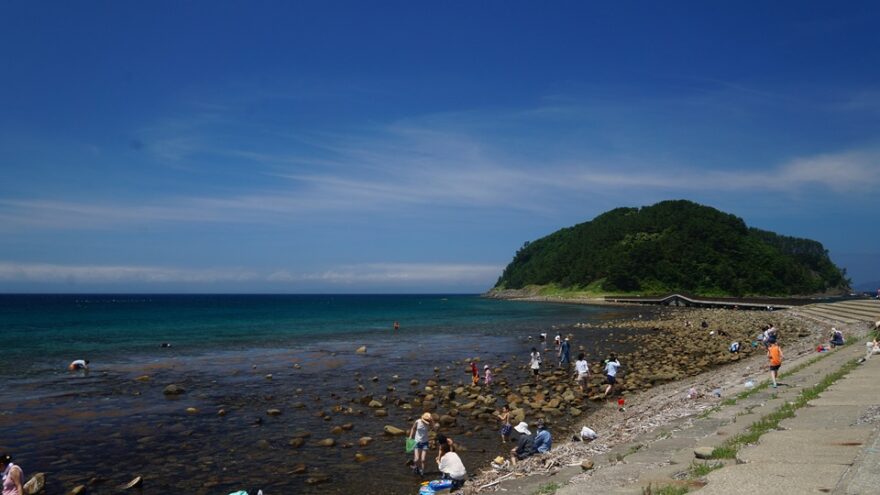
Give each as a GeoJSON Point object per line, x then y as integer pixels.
{"type": "Point", "coordinates": [410, 444]}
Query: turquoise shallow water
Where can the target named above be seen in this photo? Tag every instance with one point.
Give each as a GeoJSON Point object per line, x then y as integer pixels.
{"type": "Point", "coordinates": [43, 330]}
{"type": "Point", "coordinates": [245, 354]}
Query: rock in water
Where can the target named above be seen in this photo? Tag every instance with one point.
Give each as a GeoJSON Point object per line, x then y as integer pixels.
{"type": "Point", "coordinates": [173, 389]}
{"type": "Point", "coordinates": [394, 431]}
{"type": "Point", "coordinates": [192, 410]}
{"type": "Point", "coordinates": [299, 469]}
{"type": "Point", "coordinates": [35, 484]}
{"type": "Point", "coordinates": [362, 349]}
{"type": "Point", "coordinates": [77, 490]}
{"type": "Point", "coordinates": [364, 441]}
{"type": "Point", "coordinates": [273, 412]}
{"type": "Point", "coordinates": [138, 481]}
{"type": "Point", "coordinates": [296, 442]}
{"type": "Point", "coordinates": [327, 442]}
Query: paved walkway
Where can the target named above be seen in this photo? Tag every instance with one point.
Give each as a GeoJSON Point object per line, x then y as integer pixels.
{"type": "Point", "coordinates": [830, 446]}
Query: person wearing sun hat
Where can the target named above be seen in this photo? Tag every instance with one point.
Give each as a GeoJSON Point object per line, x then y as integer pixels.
{"type": "Point", "coordinates": [525, 444]}
{"type": "Point", "coordinates": [419, 433]}
{"type": "Point", "coordinates": [488, 375]}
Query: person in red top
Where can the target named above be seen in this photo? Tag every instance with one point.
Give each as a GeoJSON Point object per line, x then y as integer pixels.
{"type": "Point", "coordinates": [475, 372]}
{"type": "Point", "coordinates": [775, 355]}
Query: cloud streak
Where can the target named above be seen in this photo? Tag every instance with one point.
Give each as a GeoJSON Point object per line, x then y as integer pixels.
{"type": "Point", "coordinates": [453, 160]}
{"type": "Point", "coordinates": [372, 274]}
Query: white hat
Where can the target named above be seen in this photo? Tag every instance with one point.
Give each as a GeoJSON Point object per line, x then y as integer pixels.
{"type": "Point", "coordinates": [486, 367]}
{"type": "Point", "coordinates": [523, 428]}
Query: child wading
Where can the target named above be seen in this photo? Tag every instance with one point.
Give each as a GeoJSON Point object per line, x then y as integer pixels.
{"type": "Point", "coordinates": [506, 427]}
{"type": "Point", "coordinates": [774, 353]}
{"type": "Point", "coordinates": [535, 362]}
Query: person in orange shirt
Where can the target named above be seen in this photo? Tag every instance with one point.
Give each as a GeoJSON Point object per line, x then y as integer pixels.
{"type": "Point", "coordinates": [775, 355]}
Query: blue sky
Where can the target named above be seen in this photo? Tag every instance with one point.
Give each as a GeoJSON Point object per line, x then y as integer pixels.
{"type": "Point", "coordinates": [414, 146]}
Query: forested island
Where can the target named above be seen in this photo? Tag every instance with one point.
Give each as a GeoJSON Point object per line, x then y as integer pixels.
{"type": "Point", "coordinates": [674, 246]}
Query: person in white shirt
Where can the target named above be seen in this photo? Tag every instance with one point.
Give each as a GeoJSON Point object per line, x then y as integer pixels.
{"type": "Point", "coordinates": [582, 371]}
{"type": "Point", "coordinates": [611, 367]}
{"type": "Point", "coordinates": [79, 364]}
{"type": "Point", "coordinates": [535, 362]}
{"type": "Point", "coordinates": [451, 466]}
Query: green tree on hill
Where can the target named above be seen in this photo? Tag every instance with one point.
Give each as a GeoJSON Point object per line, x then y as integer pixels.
{"type": "Point", "coordinates": [674, 246]}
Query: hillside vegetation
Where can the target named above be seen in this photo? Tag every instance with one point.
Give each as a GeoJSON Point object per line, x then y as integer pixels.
{"type": "Point", "coordinates": [674, 246]}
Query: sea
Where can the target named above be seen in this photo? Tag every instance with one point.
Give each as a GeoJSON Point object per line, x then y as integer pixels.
{"type": "Point", "coordinates": [237, 356]}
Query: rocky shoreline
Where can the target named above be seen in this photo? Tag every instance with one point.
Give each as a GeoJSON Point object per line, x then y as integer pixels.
{"type": "Point", "coordinates": [679, 356]}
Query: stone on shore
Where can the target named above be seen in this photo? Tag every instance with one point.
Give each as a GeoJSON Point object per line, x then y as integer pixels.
{"type": "Point", "coordinates": [364, 441]}
{"type": "Point", "coordinates": [703, 452]}
{"type": "Point", "coordinates": [587, 465]}
{"type": "Point", "coordinates": [273, 412]}
{"type": "Point", "coordinates": [327, 442]}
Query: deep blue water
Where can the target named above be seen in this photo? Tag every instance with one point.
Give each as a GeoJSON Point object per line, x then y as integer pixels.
{"type": "Point", "coordinates": [45, 330]}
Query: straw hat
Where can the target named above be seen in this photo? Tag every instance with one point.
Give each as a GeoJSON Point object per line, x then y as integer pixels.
{"type": "Point", "coordinates": [523, 428]}
{"type": "Point", "coordinates": [427, 417]}
{"type": "Point", "coordinates": [498, 460]}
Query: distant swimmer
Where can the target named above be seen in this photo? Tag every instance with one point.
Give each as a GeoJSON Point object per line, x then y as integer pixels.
{"type": "Point", "coordinates": [396, 325]}
{"type": "Point", "coordinates": [164, 344]}
{"type": "Point", "coordinates": [79, 364]}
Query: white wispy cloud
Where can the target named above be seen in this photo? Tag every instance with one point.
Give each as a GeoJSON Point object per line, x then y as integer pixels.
{"type": "Point", "coordinates": [374, 274]}
{"type": "Point", "coordinates": [86, 274]}
{"type": "Point", "coordinates": [450, 160]}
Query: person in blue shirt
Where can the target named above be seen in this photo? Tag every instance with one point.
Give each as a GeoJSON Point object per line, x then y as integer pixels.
{"type": "Point", "coordinates": [565, 353]}
{"type": "Point", "coordinates": [543, 440]}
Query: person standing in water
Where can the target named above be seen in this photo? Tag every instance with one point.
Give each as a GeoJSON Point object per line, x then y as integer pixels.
{"type": "Point", "coordinates": [535, 362]}
{"type": "Point", "coordinates": [79, 364]}
{"type": "Point", "coordinates": [582, 368]}
{"type": "Point", "coordinates": [565, 354]}
{"type": "Point", "coordinates": [506, 427]}
{"type": "Point", "coordinates": [396, 325]}
{"type": "Point", "coordinates": [419, 433]}
{"type": "Point", "coordinates": [475, 374]}
{"type": "Point", "coordinates": [488, 376]}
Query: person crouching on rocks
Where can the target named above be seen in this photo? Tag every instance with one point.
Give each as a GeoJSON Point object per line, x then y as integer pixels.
{"type": "Point", "coordinates": [419, 433]}
{"type": "Point", "coordinates": [451, 466]}
{"type": "Point", "coordinates": [12, 476]}
{"type": "Point", "coordinates": [525, 444]}
{"type": "Point", "coordinates": [543, 440]}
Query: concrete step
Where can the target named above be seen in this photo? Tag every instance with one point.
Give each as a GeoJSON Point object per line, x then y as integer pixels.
{"type": "Point", "coordinates": [826, 314]}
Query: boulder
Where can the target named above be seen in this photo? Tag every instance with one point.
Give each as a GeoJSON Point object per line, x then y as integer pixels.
{"type": "Point", "coordinates": [327, 442]}
{"type": "Point", "coordinates": [296, 442]}
{"type": "Point", "coordinates": [361, 350]}
{"type": "Point", "coordinates": [393, 431]}
{"type": "Point", "coordinates": [77, 490]}
{"type": "Point", "coordinates": [173, 389]}
{"type": "Point", "coordinates": [587, 465]}
{"type": "Point", "coordinates": [447, 420]}
{"type": "Point", "coordinates": [273, 412]}
{"type": "Point", "coordinates": [364, 441]}
{"type": "Point", "coordinates": [375, 404]}
{"type": "Point", "coordinates": [35, 485]}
